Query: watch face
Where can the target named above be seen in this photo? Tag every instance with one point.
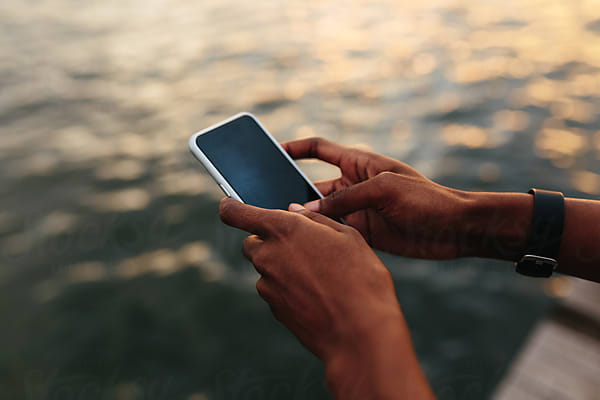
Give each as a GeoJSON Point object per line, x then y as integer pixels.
{"type": "Point", "coordinates": [537, 266]}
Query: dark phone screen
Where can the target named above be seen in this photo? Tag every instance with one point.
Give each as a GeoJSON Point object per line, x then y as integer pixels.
{"type": "Point", "coordinates": [252, 164]}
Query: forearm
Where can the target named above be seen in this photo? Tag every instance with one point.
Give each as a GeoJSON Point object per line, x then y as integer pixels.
{"type": "Point", "coordinates": [380, 365]}
{"type": "Point", "coordinates": [497, 225]}
{"type": "Point", "coordinates": [494, 225]}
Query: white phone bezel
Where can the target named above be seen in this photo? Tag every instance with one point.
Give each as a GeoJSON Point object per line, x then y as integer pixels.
{"type": "Point", "coordinates": [216, 175]}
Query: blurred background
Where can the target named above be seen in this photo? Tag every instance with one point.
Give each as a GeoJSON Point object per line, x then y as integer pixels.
{"type": "Point", "coordinates": [117, 279]}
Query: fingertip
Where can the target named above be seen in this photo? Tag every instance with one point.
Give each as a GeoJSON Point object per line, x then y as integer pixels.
{"type": "Point", "coordinates": [295, 207]}
{"type": "Point", "coordinates": [225, 204]}
{"type": "Point", "coordinates": [224, 201]}
{"type": "Point", "coordinates": [313, 205]}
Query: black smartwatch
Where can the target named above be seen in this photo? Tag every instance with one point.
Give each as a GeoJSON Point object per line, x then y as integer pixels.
{"type": "Point", "coordinates": [540, 258]}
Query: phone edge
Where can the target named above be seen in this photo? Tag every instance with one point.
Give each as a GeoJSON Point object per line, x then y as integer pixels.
{"type": "Point", "coordinates": [214, 172]}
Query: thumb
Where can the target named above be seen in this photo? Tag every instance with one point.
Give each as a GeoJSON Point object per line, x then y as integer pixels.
{"type": "Point", "coordinates": [366, 194]}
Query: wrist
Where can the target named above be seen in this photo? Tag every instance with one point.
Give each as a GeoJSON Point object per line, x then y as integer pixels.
{"type": "Point", "coordinates": [379, 363]}
{"type": "Point", "coordinates": [495, 225]}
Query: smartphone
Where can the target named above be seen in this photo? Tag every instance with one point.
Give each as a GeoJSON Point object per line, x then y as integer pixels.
{"type": "Point", "coordinates": [249, 165]}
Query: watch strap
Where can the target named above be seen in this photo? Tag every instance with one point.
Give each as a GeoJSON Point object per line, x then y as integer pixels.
{"type": "Point", "coordinates": [547, 223]}
{"type": "Point", "coordinates": [540, 258]}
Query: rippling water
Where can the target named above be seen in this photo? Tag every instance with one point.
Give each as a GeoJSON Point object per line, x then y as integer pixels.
{"type": "Point", "coordinates": [117, 278]}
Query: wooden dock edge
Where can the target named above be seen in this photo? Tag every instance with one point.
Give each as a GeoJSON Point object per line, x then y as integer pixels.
{"type": "Point", "coordinates": [561, 358]}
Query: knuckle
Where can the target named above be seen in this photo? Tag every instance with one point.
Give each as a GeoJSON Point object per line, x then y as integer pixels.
{"type": "Point", "coordinates": [317, 140]}
{"type": "Point", "coordinates": [383, 274]}
{"type": "Point", "coordinates": [260, 261]}
{"type": "Point", "coordinates": [287, 223]}
{"type": "Point", "coordinates": [261, 288]}
{"type": "Point", "coordinates": [315, 144]}
{"type": "Point", "coordinates": [302, 218]}
{"type": "Point", "coordinates": [260, 285]}
{"type": "Point", "coordinates": [352, 232]}
{"type": "Point", "coordinates": [308, 214]}
{"type": "Point", "coordinates": [386, 179]}
{"type": "Point", "coordinates": [386, 176]}
{"type": "Point", "coordinates": [356, 152]}
{"type": "Point", "coordinates": [334, 197]}
{"type": "Point", "coordinates": [247, 248]}
{"type": "Point", "coordinates": [259, 256]}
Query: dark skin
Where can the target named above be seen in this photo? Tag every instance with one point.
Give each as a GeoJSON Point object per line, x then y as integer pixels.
{"type": "Point", "coordinates": [398, 210]}
{"type": "Point", "coordinates": [323, 281]}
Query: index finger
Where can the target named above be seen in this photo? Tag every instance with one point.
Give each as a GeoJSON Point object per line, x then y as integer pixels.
{"type": "Point", "coordinates": [260, 221]}
{"type": "Point", "coordinates": [315, 147]}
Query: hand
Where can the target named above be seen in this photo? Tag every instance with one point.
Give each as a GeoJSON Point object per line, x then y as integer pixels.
{"type": "Point", "coordinates": [398, 210]}
{"type": "Point", "coordinates": [320, 277]}
{"type": "Point", "coordinates": [324, 283]}
{"type": "Point", "coordinates": [394, 207]}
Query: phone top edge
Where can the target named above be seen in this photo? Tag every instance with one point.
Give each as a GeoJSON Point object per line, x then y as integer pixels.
{"type": "Point", "coordinates": [192, 141]}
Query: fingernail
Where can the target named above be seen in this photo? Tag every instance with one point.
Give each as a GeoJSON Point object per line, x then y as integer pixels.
{"type": "Point", "coordinates": [295, 207]}
{"type": "Point", "coordinates": [312, 205]}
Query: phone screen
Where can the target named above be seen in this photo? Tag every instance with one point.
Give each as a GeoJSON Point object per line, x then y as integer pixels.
{"type": "Point", "coordinates": [252, 164]}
